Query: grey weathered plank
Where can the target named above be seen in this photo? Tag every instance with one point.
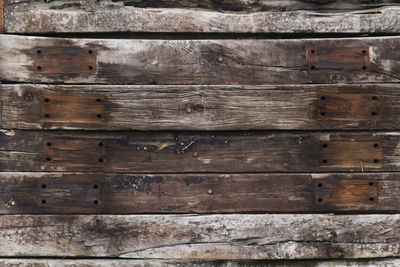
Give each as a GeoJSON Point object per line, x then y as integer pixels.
{"type": "Point", "coordinates": [195, 263]}
{"type": "Point", "coordinates": [201, 237]}
{"type": "Point", "coordinates": [158, 152]}
{"type": "Point", "coordinates": [156, 107]}
{"type": "Point", "coordinates": [71, 193]}
{"type": "Point", "coordinates": [290, 61]}
{"type": "Point", "coordinates": [265, 16]}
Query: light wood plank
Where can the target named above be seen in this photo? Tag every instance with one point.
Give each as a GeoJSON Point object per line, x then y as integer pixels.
{"type": "Point", "coordinates": [363, 107]}
{"type": "Point", "coordinates": [285, 61]}
{"type": "Point", "coordinates": [156, 16]}
{"type": "Point", "coordinates": [201, 237]}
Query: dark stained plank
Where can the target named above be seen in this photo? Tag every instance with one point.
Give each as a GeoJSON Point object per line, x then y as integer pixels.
{"type": "Point", "coordinates": [156, 107]}
{"type": "Point", "coordinates": [211, 237]}
{"type": "Point", "coordinates": [158, 152]}
{"type": "Point", "coordinates": [196, 263]}
{"type": "Point", "coordinates": [116, 193]}
{"type": "Point", "coordinates": [209, 16]}
{"type": "Point", "coordinates": [285, 61]}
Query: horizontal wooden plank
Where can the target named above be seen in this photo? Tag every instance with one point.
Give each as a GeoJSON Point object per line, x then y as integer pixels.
{"type": "Point", "coordinates": [267, 16]}
{"type": "Point", "coordinates": [284, 61]}
{"type": "Point", "coordinates": [195, 263]}
{"type": "Point", "coordinates": [201, 237]}
{"type": "Point", "coordinates": [158, 152]}
{"type": "Point", "coordinates": [156, 107]}
{"type": "Point", "coordinates": [72, 193]}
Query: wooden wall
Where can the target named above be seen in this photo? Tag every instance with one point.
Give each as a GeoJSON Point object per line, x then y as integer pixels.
{"type": "Point", "coordinates": [199, 133]}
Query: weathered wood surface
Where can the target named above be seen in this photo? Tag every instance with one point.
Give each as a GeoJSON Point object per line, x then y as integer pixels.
{"type": "Point", "coordinates": [353, 60]}
{"type": "Point", "coordinates": [71, 193]}
{"type": "Point", "coordinates": [156, 107]}
{"type": "Point", "coordinates": [195, 263]}
{"type": "Point", "coordinates": [158, 152]}
{"type": "Point", "coordinates": [267, 16]}
{"type": "Point", "coordinates": [201, 237]}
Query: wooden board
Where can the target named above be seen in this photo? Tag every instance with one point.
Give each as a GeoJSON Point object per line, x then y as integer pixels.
{"type": "Point", "coordinates": [232, 16]}
{"type": "Point", "coordinates": [72, 193]}
{"type": "Point", "coordinates": [195, 263]}
{"type": "Point", "coordinates": [158, 152]}
{"type": "Point", "coordinates": [209, 237]}
{"type": "Point", "coordinates": [156, 107]}
{"type": "Point", "coordinates": [204, 61]}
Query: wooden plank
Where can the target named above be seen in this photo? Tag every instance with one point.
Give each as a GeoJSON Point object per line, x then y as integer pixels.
{"type": "Point", "coordinates": [158, 152]}
{"type": "Point", "coordinates": [201, 237]}
{"type": "Point", "coordinates": [244, 16]}
{"type": "Point", "coordinates": [196, 263]}
{"type": "Point", "coordinates": [156, 107]}
{"type": "Point", "coordinates": [111, 193]}
{"type": "Point", "coordinates": [202, 61]}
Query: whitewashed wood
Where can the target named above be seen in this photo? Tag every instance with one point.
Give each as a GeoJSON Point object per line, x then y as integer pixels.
{"type": "Point", "coordinates": [202, 237]}
{"type": "Point", "coordinates": [106, 16]}
{"type": "Point", "coordinates": [197, 263]}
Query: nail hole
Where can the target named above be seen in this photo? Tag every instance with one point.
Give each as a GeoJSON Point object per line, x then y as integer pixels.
{"type": "Point", "coordinates": [49, 144]}
{"type": "Point", "coordinates": [48, 159]}
{"type": "Point", "coordinates": [376, 145]}
{"type": "Point", "coordinates": [324, 145]}
{"type": "Point", "coordinates": [376, 160]}
{"type": "Point", "coordinates": [364, 51]}
{"type": "Point", "coordinates": [47, 100]}
{"type": "Point", "coordinates": [39, 67]}
{"type": "Point", "coordinates": [322, 113]}
{"type": "Point", "coordinates": [95, 186]}
{"type": "Point", "coordinates": [324, 161]}
{"type": "Point", "coordinates": [90, 67]}
{"type": "Point", "coordinates": [44, 186]}
{"type": "Point", "coordinates": [312, 51]}
{"type": "Point", "coordinates": [364, 67]}
{"type": "Point", "coordinates": [101, 160]}
{"type": "Point", "coordinates": [323, 97]}
{"type": "Point", "coordinates": [371, 199]}
{"type": "Point", "coordinates": [99, 116]}
{"type": "Point", "coordinates": [320, 200]}
{"type": "Point", "coordinates": [371, 183]}
{"type": "Point", "coordinates": [374, 113]}
{"type": "Point", "coordinates": [98, 100]}
{"type": "Point", "coordinates": [90, 51]}
{"type": "Point", "coordinates": [96, 202]}
{"type": "Point", "coordinates": [39, 51]}
{"type": "Point", "coordinates": [374, 98]}
{"type": "Point", "coordinates": [313, 67]}
{"type": "Point", "coordinates": [319, 185]}
{"type": "Point", "coordinates": [100, 144]}
{"type": "Point", "coordinates": [47, 115]}
{"type": "Point", "coordinates": [44, 201]}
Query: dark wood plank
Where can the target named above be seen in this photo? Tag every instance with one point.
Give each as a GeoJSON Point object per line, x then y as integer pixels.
{"type": "Point", "coordinates": [72, 193]}
{"type": "Point", "coordinates": [205, 61]}
{"type": "Point", "coordinates": [244, 16]}
{"type": "Point", "coordinates": [156, 107]}
{"type": "Point", "coordinates": [212, 237]}
{"type": "Point", "coordinates": [152, 152]}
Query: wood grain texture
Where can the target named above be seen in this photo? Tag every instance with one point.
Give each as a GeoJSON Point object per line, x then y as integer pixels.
{"type": "Point", "coordinates": [158, 152]}
{"type": "Point", "coordinates": [231, 16]}
{"type": "Point", "coordinates": [204, 61]}
{"type": "Point", "coordinates": [209, 237]}
{"type": "Point", "coordinates": [113, 193]}
{"type": "Point", "coordinates": [195, 263]}
{"type": "Point", "coordinates": [156, 107]}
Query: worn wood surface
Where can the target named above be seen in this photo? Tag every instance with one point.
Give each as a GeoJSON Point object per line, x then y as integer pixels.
{"type": "Point", "coordinates": [195, 263]}
{"type": "Point", "coordinates": [206, 61]}
{"type": "Point", "coordinates": [157, 152]}
{"type": "Point", "coordinates": [72, 193]}
{"type": "Point", "coordinates": [156, 107]}
{"type": "Point", "coordinates": [233, 16]}
{"type": "Point", "coordinates": [201, 237]}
